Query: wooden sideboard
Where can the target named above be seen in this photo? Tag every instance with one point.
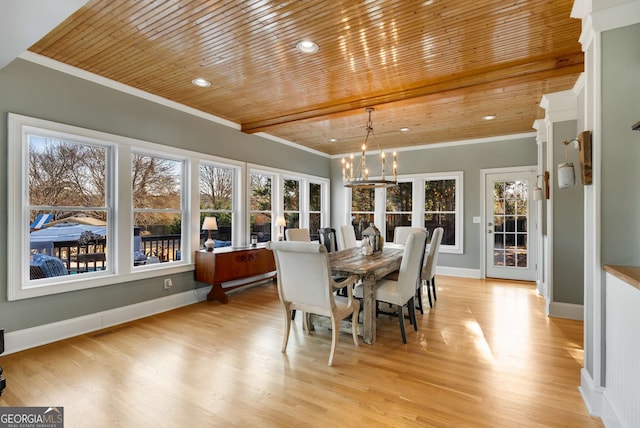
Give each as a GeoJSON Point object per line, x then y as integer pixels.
{"type": "Point", "coordinates": [232, 264]}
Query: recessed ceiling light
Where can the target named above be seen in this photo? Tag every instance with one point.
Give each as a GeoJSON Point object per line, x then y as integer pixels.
{"type": "Point", "coordinates": [332, 140]}
{"type": "Point", "coordinates": [203, 83]}
{"type": "Point", "coordinates": [307, 46]}
{"type": "Point", "coordinates": [405, 129]}
{"type": "Point", "coordinates": [489, 117]}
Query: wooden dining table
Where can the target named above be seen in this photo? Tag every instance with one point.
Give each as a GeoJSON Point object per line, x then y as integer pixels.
{"type": "Point", "coordinates": [370, 269]}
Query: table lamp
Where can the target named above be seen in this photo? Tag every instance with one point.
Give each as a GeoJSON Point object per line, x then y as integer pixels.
{"type": "Point", "coordinates": [280, 222]}
{"type": "Point", "coordinates": [209, 224]}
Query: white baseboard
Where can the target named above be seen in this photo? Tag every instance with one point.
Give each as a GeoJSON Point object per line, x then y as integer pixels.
{"type": "Point", "coordinates": [566, 310]}
{"type": "Point", "coordinates": [461, 272]}
{"type": "Point", "coordinates": [591, 394]}
{"type": "Point", "coordinates": [36, 336]}
{"type": "Point", "coordinates": [609, 417]}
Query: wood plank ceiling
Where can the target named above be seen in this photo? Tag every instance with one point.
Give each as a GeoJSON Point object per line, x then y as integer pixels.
{"type": "Point", "coordinates": [436, 66]}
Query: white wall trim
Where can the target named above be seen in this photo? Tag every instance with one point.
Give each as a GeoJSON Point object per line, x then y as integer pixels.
{"type": "Point", "coordinates": [457, 271]}
{"type": "Point", "coordinates": [608, 415]}
{"type": "Point", "coordinates": [618, 16]}
{"type": "Point", "coordinates": [566, 310]}
{"type": "Point", "coordinates": [591, 394]}
{"type": "Point", "coordinates": [41, 335]}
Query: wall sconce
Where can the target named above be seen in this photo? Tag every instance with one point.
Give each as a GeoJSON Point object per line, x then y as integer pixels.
{"type": "Point", "coordinates": [280, 222]}
{"type": "Point", "coordinates": [209, 224]}
{"type": "Point", "coordinates": [537, 191]}
{"type": "Point", "coordinates": [566, 171]}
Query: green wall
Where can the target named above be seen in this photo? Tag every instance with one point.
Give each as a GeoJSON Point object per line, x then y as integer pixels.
{"type": "Point", "coordinates": [620, 215]}
{"type": "Point", "coordinates": [33, 90]}
{"type": "Point", "coordinates": [470, 158]}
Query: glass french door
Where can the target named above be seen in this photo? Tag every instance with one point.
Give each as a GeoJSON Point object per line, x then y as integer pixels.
{"type": "Point", "coordinates": [510, 226]}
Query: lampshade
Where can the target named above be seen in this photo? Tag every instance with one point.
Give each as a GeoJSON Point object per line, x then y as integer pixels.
{"type": "Point", "coordinates": [280, 222]}
{"type": "Point", "coordinates": [210, 223]}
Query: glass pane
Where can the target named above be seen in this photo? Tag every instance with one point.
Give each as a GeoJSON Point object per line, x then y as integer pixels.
{"type": "Point", "coordinates": [498, 258]}
{"type": "Point", "coordinates": [522, 241]}
{"type": "Point", "coordinates": [395, 220]}
{"type": "Point", "coordinates": [314, 222]}
{"type": "Point", "coordinates": [291, 195]}
{"type": "Point", "coordinates": [510, 223]}
{"type": "Point", "coordinates": [216, 188]}
{"type": "Point", "coordinates": [498, 190]}
{"type": "Point", "coordinates": [399, 198]}
{"type": "Point", "coordinates": [159, 235]}
{"type": "Point", "coordinates": [292, 220]}
{"type": "Point", "coordinates": [498, 206]}
{"type": "Point", "coordinates": [156, 182]}
{"type": "Point", "coordinates": [509, 240]}
{"type": "Point", "coordinates": [222, 236]}
{"type": "Point", "coordinates": [510, 207]}
{"type": "Point", "coordinates": [261, 226]}
{"type": "Point", "coordinates": [66, 173]}
{"type": "Point", "coordinates": [498, 223]}
{"type": "Point", "coordinates": [521, 224]}
{"type": "Point", "coordinates": [522, 259]}
{"type": "Point", "coordinates": [70, 245]}
{"type": "Point", "coordinates": [363, 200]}
{"type": "Point", "coordinates": [510, 258]}
{"type": "Point", "coordinates": [498, 241]}
{"type": "Point", "coordinates": [440, 195]}
{"type": "Point", "coordinates": [447, 222]}
{"type": "Point", "coordinates": [260, 188]}
{"type": "Point", "coordinates": [315, 197]}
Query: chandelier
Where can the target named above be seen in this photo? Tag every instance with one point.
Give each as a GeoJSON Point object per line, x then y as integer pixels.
{"type": "Point", "coordinates": [361, 179]}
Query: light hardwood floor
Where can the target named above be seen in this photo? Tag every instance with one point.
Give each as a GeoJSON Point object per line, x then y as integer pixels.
{"type": "Point", "coordinates": [485, 356]}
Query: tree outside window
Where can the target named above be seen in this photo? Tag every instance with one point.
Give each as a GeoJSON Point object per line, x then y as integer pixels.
{"type": "Point", "coordinates": [315, 207]}
{"type": "Point", "coordinates": [260, 206]}
{"type": "Point", "coordinates": [362, 209]}
{"type": "Point", "coordinates": [398, 207]}
{"type": "Point", "coordinates": [440, 208]}
{"type": "Point", "coordinates": [291, 199]}
{"type": "Point", "coordinates": [216, 200]}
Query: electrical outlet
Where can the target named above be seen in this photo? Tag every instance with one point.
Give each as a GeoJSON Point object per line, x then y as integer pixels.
{"type": "Point", "coordinates": [168, 283]}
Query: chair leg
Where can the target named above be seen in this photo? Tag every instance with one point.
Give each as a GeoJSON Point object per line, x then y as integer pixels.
{"type": "Point", "coordinates": [412, 314]}
{"type": "Point", "coordinates": [335, 332]}
{"type": "Point", "coordinates": [287, 328]}
{"type": "Point", "coordinates": [429, 292]}
{"type": "Point", "coordinates": [354, 322]}
{"type": "Point", "coordinates": [433, 285]}
{"type": "Point", "coordinates": [293, 315]}
{"type": "Point", "coordinates": [401, 318]}
{"type": "Point", "coordinates": [419, 296]}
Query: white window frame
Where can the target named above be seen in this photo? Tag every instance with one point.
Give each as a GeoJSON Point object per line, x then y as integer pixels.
{"type": "Point", "coordinates": [417, 217]}
{"type": "Point", "coordinates": [237, 225]}
{"type": "Point", "coordinates": [120, 226]}
{"type": "Point", "coordinates": [277, 202]}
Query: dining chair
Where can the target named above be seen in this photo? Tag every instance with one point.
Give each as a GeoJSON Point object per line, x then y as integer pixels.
{"type": "Point", "coordinates": [401, 233]}
{"type": "Point", "coordinates": [347, 237]}
{"type": "Point", "coordinates": [301, 235]}
{"type": "Point", "coordinates": [428, 274]}
{"type": "Point", "coordinates": [327, 237]}
{"type": "Point", "coordinates": [304, 283]}
{"type": "Point", "coordinates": [401, 292]}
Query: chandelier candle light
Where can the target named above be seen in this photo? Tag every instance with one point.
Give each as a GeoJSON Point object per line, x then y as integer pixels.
{"type": "Point", "coordinates": [361, 180]}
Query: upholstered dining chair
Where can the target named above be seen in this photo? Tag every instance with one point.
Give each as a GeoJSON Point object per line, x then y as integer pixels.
{"type": "Point", "coordinates": [347, 237]}
{"type": "Point", "coordinates": [328, 238]}
{"type": "Point", "coordinates": [401, 233]}
{"type": "Point", "coordinates": [428, 275]}
{"type": "Point", "coordinates": [401, 292]}
{"type": "Point", "coordinates": [304, 283]}
{"type": "Point", "coordinates": [301, 235]}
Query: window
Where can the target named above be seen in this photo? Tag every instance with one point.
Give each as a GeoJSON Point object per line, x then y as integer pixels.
{"type": "Point", "coordinates": [362, 209]}
{"type": "Point", "coordinates": [398, 207]}
{"type": "Point", "coordinates": [67, 205]}
{"type": "Point", "coordinates": [157, 208]}
{"type": "Point", "coordinates": [315, 207]}
{"type": "Point", "coordinates": [65, 193]}
{"type": "Point", "coordinates": [291, 199]}
{"type": "Point", "coordinates": [442, 208]}
{"type": "Point", "coordinates": [216, 200]}
{"type": "Point", "coordinates": [260, 205]}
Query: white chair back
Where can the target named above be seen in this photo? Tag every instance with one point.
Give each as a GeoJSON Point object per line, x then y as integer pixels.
{"type": "Point", "coordinates": [431, 260]}
{"type": "Point", "coordinates": [347, 237]}
{"type": "Point", "coordinates": [410, 266]}
{"type": "Point", "coordinates": [300, 235]}
{"type": "Point", "coordinates": [401, 233]}
{"type": "Point", "coordinates": [304, 274]}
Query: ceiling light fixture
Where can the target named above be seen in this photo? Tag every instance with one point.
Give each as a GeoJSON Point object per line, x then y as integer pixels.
{"type": "Point", "coordinates": [203, 83]}
{"type": "Point", "coordinates": [405, 129]}
{"type": "Point", "coordinates": [332, 140]}
{"type": "Point", "coordinates": [307, 46]}
{"type": "Point", "coordinates": [489, 117]}
{"type": "Point", "coordinates": [361, 180]}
